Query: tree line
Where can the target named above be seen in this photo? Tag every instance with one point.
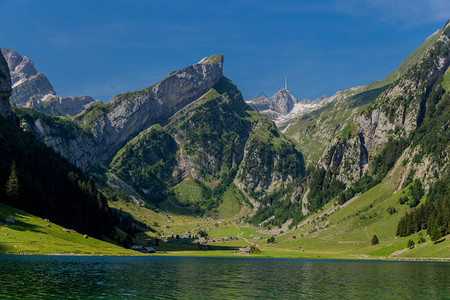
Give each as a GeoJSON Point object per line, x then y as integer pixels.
{"type": "Point", "coordinates": [433, 215]}
{"type": "Point", "coordinates": [36, 179]}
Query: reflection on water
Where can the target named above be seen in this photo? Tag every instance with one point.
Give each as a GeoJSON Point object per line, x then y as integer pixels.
{"type": "Point", "coordinates": [63, 277]}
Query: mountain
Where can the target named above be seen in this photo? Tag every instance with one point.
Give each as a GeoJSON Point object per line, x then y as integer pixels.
{"type": "Point", "coordinates": [189, 147]}
{"type": "Point", "coordinates": [96, 134]}
{"type": "Point", "coordinates": [283, 106]}
{"type": "Point", "coordinates": [325, 124]}
{"type": "Point", "coordinates": [353, 140]}
{"type": "Point", "coordinates": [217, 137]}
{"type": "Point", "coordinates": [194, 124]}
{"type": "Point", "coordinates": [33, 89]}
{"type": "Point", "coordinates": [279, 104]}
{"type": "Point", "coordinates": [60, 106]}
{"type": "Point", "coordinates": [115, 122]}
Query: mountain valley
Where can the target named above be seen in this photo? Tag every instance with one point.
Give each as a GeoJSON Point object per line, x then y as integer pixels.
{"type": "Point", "coordinates": [187, 161]}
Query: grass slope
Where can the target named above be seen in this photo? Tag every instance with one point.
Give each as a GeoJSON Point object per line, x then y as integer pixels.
{"type": "Point", "coordinates": [189, 191]}
{"type": "Point", "coordinates": [33, 235]}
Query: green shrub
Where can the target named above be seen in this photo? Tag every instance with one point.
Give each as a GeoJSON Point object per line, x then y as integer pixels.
{"type": "Point", "coordinates": [403, 200]}
{"type": "Point", "coordinates": [271, 240]}
{"type": "Point", "coordinates": [391, 210]}
{"type": "Point", "coordinates": [421, 239]}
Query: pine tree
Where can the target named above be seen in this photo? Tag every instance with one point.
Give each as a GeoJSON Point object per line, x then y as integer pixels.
{"type": "Point", "coordinates": [375, 240]}
{"type": "Point", "coordinates": [12, 185]}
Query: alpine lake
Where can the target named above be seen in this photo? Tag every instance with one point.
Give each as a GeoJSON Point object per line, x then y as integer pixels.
{"type": "Point", "coordinates": [159, 277]}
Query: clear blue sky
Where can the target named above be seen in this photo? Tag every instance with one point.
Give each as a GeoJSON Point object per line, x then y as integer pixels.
{"type": "Point", "coordinates": [102, 48]}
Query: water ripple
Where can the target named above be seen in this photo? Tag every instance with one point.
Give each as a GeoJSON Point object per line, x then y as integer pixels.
{"type": "Point", "coordinates": [49, 277]}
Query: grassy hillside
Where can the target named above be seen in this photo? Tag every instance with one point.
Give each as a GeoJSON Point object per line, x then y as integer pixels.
{"type": "Point", "coordinates": [33, 235]}
{"type": "Point", "coordinates": [335, 232]}
{"type": "Point", "coordinates": [346, 231]}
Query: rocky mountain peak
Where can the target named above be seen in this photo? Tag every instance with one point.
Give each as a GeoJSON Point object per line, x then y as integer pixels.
{"type": "Point", "coordinates": [284, 101]}
{"type": "Point", "coordinates": [20, 67]}
{"type": "Point", "coordinates": [33, 89]}
{"type": "Point", "coordinates": [278, 105]}
{"type": "Point", "coordinates": [5, 88]}
{"type": "Point", "coordinates": [127, 114]}
{"type": "Point", "coordinates": [26, 81]}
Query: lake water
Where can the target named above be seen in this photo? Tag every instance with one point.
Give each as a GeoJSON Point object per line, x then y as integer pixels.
{"type": "Point", "coordinates": [68, 277]}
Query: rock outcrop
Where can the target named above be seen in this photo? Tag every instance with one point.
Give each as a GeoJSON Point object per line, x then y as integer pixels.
{"type": "Point", "coordinates": [65, 137]}
{"type": "Point", "coordinates": [5, 88]}
{"type": "Point", "coordinates": [33, 89]}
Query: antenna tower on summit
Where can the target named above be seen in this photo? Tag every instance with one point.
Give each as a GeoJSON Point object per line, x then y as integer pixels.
{"type": "Point", "coordinates": [285, 83]}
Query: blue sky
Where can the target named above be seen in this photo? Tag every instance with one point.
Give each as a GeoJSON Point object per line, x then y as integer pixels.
{"type": "Point", "coordinates": [102, 48]}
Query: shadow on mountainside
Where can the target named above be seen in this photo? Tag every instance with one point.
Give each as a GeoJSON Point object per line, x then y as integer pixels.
{"type": "Point", "coordinates": [18, 216]}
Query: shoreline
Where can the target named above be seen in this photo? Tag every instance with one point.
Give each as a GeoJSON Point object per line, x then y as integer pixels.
{"type": "Point", "coordinates": [254, 256]}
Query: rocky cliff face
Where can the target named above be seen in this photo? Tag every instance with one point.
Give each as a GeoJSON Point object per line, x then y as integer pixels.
{"type": "Point", "coordinates": [125, 115]}
{"type": "Point", "coordinates": [5, 88]}
{"type": "Point", "coordinates": [401, 108]}
{"type": "Point", "coordinates": [33, 89]}
{"type": "Point", "coordinates": [106, 127]}
{"type": "Point", "coordinates": [396, 114]}
{"type": "Point", "coordinates": [63, 135]}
